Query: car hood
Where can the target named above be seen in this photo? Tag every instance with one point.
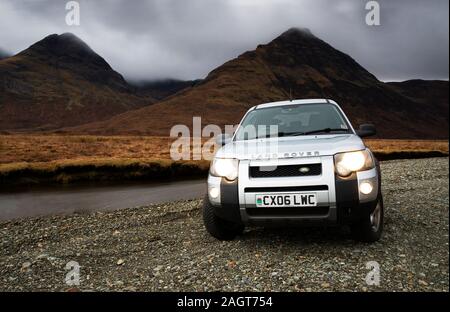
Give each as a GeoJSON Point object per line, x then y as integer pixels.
{"type": "Point", "coordinates": [291, 147]}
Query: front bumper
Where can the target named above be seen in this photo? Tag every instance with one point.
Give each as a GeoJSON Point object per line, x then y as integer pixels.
{"type": "Point", "coordinates": [339, 200]}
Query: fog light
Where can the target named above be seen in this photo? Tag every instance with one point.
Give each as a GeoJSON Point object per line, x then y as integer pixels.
{"type": "Point", "coordinates": [214, 192]}
{"type": "Point", "coordinates": [365, 188]}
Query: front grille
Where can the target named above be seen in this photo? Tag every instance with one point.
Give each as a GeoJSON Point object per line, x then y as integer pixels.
{"type": "Point", "coordinates": [287, 211]}
{"type": "Point", "coordinates": [286, 188]}
{"type": "Point", "coordinates": [286, 171]}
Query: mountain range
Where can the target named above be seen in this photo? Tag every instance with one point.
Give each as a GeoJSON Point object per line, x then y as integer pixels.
{"type": "Point", "coordinates": [38, 87]}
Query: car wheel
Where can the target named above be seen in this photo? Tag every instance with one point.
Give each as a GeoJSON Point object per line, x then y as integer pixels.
{"type": "Point", "coordinates": [218, 227]}
{"type": "Point", "coordinates": [369, 228]}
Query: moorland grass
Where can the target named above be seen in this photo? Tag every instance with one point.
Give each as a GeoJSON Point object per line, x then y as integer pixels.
{"type": "Point", "coordinates": [41, 159]}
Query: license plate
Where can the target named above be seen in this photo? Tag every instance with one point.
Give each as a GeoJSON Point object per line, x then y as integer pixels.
{"type": "Point", "coordinates": [286, 200]}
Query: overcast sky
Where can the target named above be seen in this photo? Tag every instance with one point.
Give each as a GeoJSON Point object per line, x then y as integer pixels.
{"type": "Point", "coordinates": [186, 39]}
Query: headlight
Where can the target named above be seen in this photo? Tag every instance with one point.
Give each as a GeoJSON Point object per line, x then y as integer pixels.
{"type": "Point", "coordinates": [346, 163]}
{"type": "Point", "coordinates": [225, 167]}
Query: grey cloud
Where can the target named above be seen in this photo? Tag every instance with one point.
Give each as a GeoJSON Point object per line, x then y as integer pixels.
{"type": "Point", "coordinates": [148, 39]}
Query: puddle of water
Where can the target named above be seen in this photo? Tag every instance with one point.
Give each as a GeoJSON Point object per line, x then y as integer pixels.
{"type": "Point", "coordinates": [39, 201]}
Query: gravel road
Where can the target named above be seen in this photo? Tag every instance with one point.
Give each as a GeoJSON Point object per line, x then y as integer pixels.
{"type": "Point", "coordinates": [165, 248]}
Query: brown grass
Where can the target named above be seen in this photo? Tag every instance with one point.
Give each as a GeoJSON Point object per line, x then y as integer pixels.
{"type": "Point", "coordinates": [388, 146]}
{"type": "Point", "coordinates": [86, 148]}
{"type": "Point", "coordinates": [110, 169]}
{"type": "Point", "coordinates": [64, 158]}
{"type": "Point", "coordinates": [28, 159]}
{"type": "Point", "coordinates": [46, 148]}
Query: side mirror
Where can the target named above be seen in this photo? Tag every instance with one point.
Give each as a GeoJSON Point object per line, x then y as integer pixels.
{"type": "Point", "coordinates": [223, 139]}
{"type": "Point", "coordinates": [366, 130]}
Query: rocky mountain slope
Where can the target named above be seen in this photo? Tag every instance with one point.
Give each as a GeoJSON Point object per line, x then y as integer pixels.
{"type": "Point", "coordinates": [60, 81]}
{"type": "Point", "coordinates": [60, 84]}
{"type": "Point", "coordinates": [431, 93]}
{"type": "Point", "coordinates": [299, 63]}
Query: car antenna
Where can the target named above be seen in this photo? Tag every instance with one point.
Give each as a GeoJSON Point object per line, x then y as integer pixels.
{"type": "Point", "coordinates": [290, 94]}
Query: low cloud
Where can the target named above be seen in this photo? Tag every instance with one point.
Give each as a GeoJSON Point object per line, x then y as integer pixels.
{"type": "Point", "coordinates": [186, 39]}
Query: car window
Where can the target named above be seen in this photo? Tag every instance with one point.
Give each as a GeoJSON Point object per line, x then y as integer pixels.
{"type": "Point", "coordinates": [292, 119]}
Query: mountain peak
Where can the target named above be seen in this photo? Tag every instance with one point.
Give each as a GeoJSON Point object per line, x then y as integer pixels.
{"type": "Point", "coordinates": [60, 81]}
{"type": "Point", "coordinates": [296, 34]}
{"type": "Point", "coordinates": [297, 31]}
{"type": "Point", "coordinates": [66, 52]}
{"type": "Point", "coordinates": [67, 47]}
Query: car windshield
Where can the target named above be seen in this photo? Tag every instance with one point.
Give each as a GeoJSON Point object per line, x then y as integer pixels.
{"type": "Point", "coordinates": [292, 120]}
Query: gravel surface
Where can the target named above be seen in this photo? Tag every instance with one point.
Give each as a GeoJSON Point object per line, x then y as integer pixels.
{"type": "Point", "coordinates": [165, 247]}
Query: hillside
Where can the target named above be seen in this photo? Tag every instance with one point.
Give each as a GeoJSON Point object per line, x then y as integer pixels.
{"type": "Point", "coordinates": [431, 93]}
{"type": "Point", "coordinates": [310, 68]}
{"type": "Point", "coordinates": [60, 81]}
{"type": "Point", "coordinates": [161, 89]}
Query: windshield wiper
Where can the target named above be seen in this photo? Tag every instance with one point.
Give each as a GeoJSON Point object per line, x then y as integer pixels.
{"type": "Point", "coordinates": [285, 134]}
{"type": "Point", "coordinates": [293, 133]}
{"type": "Point", "coordinates": [278, 135]}
{"type": "Point", "coordinates": [327, 130]}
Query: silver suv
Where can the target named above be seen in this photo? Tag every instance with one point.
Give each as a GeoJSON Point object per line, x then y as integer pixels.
{"type": "Point", "coordinates": [299, 162]}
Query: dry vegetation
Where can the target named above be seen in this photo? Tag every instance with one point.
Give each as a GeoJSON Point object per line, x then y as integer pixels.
{"type": "Point", "coordinates": [64, 158]}
{"type": "Point", "coordinates": [46, 148]}
{"type": "Point", "coordinates": [26, 159]}
{"type": "Point", "coordinates": [389, 146]}
{"type": "Point", "coordinates": [86, 148]}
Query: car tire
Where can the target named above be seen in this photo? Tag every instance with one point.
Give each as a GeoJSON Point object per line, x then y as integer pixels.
{"type": "Point", "coordinates": [218, 227]}
{"type": "Point", "coordinates": [370, 227]}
